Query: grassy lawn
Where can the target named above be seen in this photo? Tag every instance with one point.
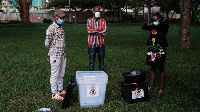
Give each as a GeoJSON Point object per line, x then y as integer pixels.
{"type": "Point", "coordinates": [25, 71]}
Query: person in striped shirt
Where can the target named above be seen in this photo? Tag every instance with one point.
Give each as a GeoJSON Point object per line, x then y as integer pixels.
{"type": "Point", "coordinates": [55, 42]}
{"type": "Point", "coordinates": [96, 28]}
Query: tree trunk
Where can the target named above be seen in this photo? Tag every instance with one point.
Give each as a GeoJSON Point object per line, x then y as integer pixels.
{"type": "Point", "coordinates": [126, 8]}
{"type": "Point", "coordinates": [167, 13]}
{"type": "Point", "coordinates": [103, 6]}
{"type": "Point", "coordinates": [24, 10]}
{"type": "Point", "coordinates": [119, 11]}
{"type": "Point", "coordinates": [77, 15]}
{"type": "Point", "coordinates": [172, 16]}
{"type": "Point", "coordinates": [184, 36]}
{"type": "Point", "coordinates": [113, 16]}
{"type": "Point", "coordinates": [143, 14]}
{"type": "Point", "coordinates": [174, 10]}
{"type": "Point", "coordinates": [149, 11]}
{"type": "Point", "coordinates": [136, 15]}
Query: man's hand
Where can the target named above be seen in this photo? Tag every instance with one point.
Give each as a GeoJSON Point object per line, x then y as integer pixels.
{"type": "Point", "coordinates": [99, 30]}
{"type": "Point", "coordinates": [48, 58]}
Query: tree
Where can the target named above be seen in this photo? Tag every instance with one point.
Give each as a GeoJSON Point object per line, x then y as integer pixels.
{"type": "Point", "coordinates": [137, 5]}
{"type": "Point", "coordinates": [77, 5]}
{"type": "Point", "coordinates": [113, 8]}
{"type": "Point", "coordinates": [23, 6]}
{"type": "Point", "coordinates": [195, 10]}
{"type": "Point", "coordinates": [184, 34]}
{"type": "Point", "coordinates": [149, 4]}
{"type": "Point", "coordinates": [0, 5]}
{"type": "Point", "coordinates": [119, 11]}
{"type": "Point", "coordinates": [168, 5]}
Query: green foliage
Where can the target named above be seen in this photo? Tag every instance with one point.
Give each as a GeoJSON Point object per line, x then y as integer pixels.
{"type": "Point", "coordinates": [25, 71]}
{"type": "Point", "coordinates": [127, 18]}
{"type": "Point", "coordinates": [77, 5]}
{"type": "Point", "coordinates": [47, 20]}
{"type": "Point", "coordinates": [14, 21]}
{"type": "Point", "coordinates": [11, 22]}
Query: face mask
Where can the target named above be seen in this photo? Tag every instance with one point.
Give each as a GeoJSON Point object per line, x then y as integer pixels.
{"type": "Point", "coordinates": [156, 23]}
{"type": "Point", "coordinates": [97, 14]}
{"type": "Point", "coordinates": [60, 21]}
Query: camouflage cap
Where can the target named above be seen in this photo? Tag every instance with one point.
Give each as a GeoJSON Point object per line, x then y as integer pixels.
{"type": "Point", "coordinates": [59, 12]}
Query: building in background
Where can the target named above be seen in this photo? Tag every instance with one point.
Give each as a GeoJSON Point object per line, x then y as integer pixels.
{"type": "Point", "coordinates": [9, 11]}
{"type": "Point", "coordinates": [9, 5]}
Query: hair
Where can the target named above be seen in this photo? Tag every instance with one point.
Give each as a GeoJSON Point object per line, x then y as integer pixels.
{"type": "Point", "coordinates": [158, 15]}
{"type": "Point", "coordinates": [96, 7]}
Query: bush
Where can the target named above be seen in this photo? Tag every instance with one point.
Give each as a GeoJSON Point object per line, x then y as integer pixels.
{"type": "Point", "coordinates": [14, 21]}
{"type": "Point", "coordinates": [47, 20]}
{"type": "Point", "coordinates": [127, 18]}
{"type": "Point", "coordinates": [10, 22]}
{"type": "Point", "coordinates": [175, 20]}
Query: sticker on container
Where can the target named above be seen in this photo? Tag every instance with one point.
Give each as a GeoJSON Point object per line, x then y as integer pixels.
{"type": "Point", "coordinates": [92, 90]}
{"type": "Point", "coordinates": [138, 93]}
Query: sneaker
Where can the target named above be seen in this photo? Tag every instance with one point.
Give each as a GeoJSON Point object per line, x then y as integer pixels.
{"type": "Point", "coordinates": [150, 88]}
{"type": "Point", "coordinates": [57, 97]}
{"type": "Point", "coordinates": [160, 91]}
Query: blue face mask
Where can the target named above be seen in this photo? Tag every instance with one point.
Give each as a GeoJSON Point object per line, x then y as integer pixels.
{"type": "Point", "coordinates": [156, 23]}
{"type": "Point", "coordinates": [60, 21]}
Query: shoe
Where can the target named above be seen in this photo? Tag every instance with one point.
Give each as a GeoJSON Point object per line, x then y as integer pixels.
{"type": "Point", "coordinates": [160, 91]}
{"type": "Point", "coordinates": [57, 97]}
{"type": "Point", "coordinates": [150, 88]}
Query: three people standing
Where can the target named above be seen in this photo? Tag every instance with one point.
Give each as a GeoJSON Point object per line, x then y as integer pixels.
{"type": "Point", "coordinates": [96, 27]}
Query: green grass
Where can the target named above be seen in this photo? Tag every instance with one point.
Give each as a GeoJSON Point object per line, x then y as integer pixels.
{"type": "Point", "coordinates": [25, 71]}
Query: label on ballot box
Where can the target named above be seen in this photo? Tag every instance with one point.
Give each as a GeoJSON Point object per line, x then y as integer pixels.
{"type": "Point", "coordinates": [138, 93]}
{"type": "Point", "coordinates": [93, 90]}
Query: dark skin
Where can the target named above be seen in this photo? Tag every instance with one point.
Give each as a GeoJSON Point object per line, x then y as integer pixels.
{"type": "Point", "coordinates": [153, 72]}
{"type": "Point", "coordinates": [155, 18]}
{"type": "Point", "coordinates": [56, 19]}
{"type": "Point", "coordinates": [96, 9]}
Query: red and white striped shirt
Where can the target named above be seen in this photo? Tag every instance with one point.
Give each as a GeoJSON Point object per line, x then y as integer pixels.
{"type": "Point", "coordinates": [96, 30]}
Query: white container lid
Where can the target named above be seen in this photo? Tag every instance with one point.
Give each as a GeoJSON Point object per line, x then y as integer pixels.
{"type": "Point", "coordinates": [91, 76]}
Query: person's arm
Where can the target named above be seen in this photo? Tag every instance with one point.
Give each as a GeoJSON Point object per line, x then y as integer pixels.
{"type": "Point", "coordinates": [166, 27]}
{"type": "Point", "coordinates": [90, 31]}
{"type": "Point", "coordinates": [49, 36]}
{"type": "Point", "coordinates": [147, 27]}
{"type": "Point", "coordinates": [103, 31]}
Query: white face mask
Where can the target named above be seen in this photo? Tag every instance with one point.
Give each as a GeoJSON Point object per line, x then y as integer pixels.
{"type": "Point", "coordinates": [97, 14]}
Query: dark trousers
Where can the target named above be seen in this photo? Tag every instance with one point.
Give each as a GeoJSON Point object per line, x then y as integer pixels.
{"type": "Point", "coordinates": [92, 54]}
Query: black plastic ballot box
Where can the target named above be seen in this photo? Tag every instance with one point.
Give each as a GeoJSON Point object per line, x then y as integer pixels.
{"type": "Point", "coordinates": [134, 87]}
{"type": "Point", "coordinates": [134, 92]}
